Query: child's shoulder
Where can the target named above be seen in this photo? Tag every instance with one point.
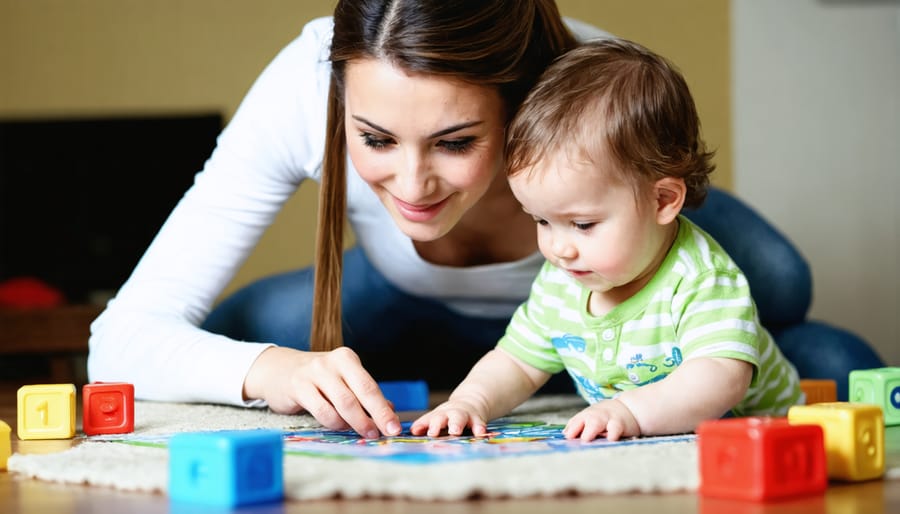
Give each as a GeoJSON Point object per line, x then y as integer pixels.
{"type": "Point", "coordinates": [699, 252]}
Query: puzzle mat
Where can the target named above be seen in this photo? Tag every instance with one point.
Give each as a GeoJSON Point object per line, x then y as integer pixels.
{"type": "Point", "coordinates": [668, 464]}
{"type": "Point", "coordinates": [524, 457]}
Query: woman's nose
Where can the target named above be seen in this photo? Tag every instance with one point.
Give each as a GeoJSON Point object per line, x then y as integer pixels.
{"type": "Point", "coordinates": [414, 177]}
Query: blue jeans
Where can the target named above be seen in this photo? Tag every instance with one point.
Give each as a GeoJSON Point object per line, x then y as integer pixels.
{"type": "Point", "coordinates": [400, 336]}
{"type": "Point", "coordinates": [397, 335]}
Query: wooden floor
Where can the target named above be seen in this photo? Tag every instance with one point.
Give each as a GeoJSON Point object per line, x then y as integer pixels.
{"type": "Point", "coordinates": [18, 495]}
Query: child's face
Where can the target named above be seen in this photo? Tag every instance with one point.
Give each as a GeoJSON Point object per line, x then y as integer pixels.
{"type": "Point", "coordinates": [594, 226]}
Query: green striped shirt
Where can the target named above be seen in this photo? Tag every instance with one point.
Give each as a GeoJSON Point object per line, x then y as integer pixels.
{"type": "Point", "coordinates": [697, 305]}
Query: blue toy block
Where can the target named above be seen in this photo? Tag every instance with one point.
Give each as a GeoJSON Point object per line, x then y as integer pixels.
{"type": "Point", "coordinates": [227, 468]}
{"type": "Point", "coordinates": [878, 386]}
{"type": "Point", "coordinates": [406, 394]}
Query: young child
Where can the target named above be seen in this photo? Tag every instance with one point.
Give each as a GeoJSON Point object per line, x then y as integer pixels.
{"type": "Point", "coordinates": [651, 318]}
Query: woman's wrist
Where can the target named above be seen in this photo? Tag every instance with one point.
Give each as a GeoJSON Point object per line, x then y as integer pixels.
{"type": "Point", "coordinates": [264, 368]}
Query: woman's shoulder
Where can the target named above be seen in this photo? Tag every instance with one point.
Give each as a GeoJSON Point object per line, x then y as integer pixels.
{"type": "Point", "coordinates": [584, 31]}
{"type": "Point", "coordinates": [319, 28]}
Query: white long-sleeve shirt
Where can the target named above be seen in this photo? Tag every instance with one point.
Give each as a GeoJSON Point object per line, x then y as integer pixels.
{"type": "Point", "coordinates": [149, 336]}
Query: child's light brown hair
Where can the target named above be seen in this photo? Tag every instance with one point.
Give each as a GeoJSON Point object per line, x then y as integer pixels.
{"type": "Point", "coordinates": [616, 93]}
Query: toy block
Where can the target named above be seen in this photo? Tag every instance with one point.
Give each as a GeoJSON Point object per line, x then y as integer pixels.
{"type": "Point", "coordinates": [406, 395]}
{"type": "Point", "coordinates": [878, 386]}
{"type": "Point", "coordinates": [46, 411]}
{"type": "Point", "coordinates": [799, 505]}
{"type": "Point", "coordinates": [760, 458]}
{"type": "Point", "coordinates": [5, 444]}
{"type": "Point", "coordinates": [854, 437]}
{"type": "Point", "coordinates": [819, 390]}
{"type": "Point", "coordinates": [107, 408]}
{"type": "Point", "coordinates": [227, 468]}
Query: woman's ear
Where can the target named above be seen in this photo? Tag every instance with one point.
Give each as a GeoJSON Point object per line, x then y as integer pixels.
{"type": "Point", "coordinates": [669, 193]}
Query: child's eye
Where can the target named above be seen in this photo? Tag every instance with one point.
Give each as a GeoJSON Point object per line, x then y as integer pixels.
{"type": "Point", "coordinates": [372, 141]}
{"type": "Point", "coordinates": [541, 222]}
{"type": "Point", "coordinates": [584, 226]}
{"type": "Point", "coordinates": [460, 145]}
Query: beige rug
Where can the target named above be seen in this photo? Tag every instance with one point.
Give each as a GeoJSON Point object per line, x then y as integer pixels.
{"type": "Point", "coordinates": [667, 465]}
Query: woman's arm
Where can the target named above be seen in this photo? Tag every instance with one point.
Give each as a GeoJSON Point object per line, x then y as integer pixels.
{"type": "Point", "coordinates": [148, 334]}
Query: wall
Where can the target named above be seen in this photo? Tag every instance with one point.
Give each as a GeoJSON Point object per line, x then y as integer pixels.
{"type": "Point", "coordinates": [90, 57]}
{"type": "Point", "coordinates": [817, 145]}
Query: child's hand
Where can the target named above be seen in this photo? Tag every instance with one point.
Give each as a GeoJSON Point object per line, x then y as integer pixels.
{"type": "Point", "coordinates": [455, 416]}
{"type": "Point", "coordinates": [607, 416]}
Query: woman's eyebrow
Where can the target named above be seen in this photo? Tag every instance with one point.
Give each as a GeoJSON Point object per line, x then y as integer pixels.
{"type": "Point", "coordinates": [439, 133]}
{"type": "Point", "coordinates": [454, 128]}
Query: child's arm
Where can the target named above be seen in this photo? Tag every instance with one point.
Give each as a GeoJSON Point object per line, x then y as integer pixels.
{"type": "Point", "coordinates": [496, 384]}
{"type": "Point", "coordinates": [699, 389]}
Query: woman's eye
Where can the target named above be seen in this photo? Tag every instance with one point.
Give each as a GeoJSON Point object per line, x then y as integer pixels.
{"type": "Point", "coordinates": [540, 222]}
{"type": "Point", "coordinates": [372, 141]}
{"type": "Point", "coordinates": [584, 226]}
{"type": "Point", "coordinates": [457, 145]}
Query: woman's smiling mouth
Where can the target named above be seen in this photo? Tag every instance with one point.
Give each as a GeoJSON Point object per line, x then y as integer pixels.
{"type": "Point", "coordinates": [419, 213]}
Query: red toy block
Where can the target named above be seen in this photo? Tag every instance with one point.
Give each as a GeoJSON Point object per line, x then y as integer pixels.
{"type": "Point", "coordinates": [761, 458]}
{"type": "Point", "coordinates": [107, 408]}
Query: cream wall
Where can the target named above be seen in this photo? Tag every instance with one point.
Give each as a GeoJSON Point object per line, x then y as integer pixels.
{"type": "Point", "coordinates": [98, 57]}
{"type": "Point", "coordinates": [817, 126]}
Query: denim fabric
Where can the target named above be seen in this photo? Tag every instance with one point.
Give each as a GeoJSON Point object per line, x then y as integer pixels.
{"type": "Point", "coordinates": [398, 336]}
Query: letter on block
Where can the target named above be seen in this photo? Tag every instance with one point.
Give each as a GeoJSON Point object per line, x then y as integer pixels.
{"type": "Point", "coordinates": [819, 390]}
{"type": "Point", "coordinates": [879, 386]}
{"type": "Point", "coordinates": [760, 458]}
{"type": "Point", "coordinates": [5, 444]}
{"type": "Point", "coordinates": [227, 468]}
{"type": "Point", "coordinates": [46, 411]}
{"type": "Point", "coordinates": [107, 408]}
{"type": "Point", "coordinates": [854, 437]}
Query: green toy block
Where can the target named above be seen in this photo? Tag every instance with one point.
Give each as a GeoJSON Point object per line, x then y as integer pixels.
{"type": "Point", "coordinates": [878, 386]}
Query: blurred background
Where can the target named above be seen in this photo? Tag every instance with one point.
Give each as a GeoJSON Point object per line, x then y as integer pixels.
{"type": "Point", "coordinates": [801, 100]}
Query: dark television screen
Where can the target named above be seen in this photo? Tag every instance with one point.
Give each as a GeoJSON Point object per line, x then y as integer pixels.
{"type": "Point", "coordinates": [80, 199]}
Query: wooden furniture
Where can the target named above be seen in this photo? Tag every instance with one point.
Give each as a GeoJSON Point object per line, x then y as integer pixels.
{"type": "Point", "coordinates": [60, 334]}
{"type": "Point", "coordinates": [20, 495]}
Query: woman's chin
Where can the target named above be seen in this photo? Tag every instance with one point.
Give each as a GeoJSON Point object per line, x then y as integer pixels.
{"type": "Point", "coordinates": [422, 232]}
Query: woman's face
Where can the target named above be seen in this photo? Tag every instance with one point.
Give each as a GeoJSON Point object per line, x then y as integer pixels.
{"type": "Point", "coordinates": [428, 146]}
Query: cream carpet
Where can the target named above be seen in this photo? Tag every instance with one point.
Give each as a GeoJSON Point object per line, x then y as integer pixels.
{"type": "Point", "coordinates": [667, 465]}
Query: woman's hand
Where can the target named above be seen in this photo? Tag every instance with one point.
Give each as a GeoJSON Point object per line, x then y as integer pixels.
{"type": "Point", "coordinates": [606, 417]}
{"type": "Point", "coordinates": [455, 415]}
{"type": "Point", "coordinates": [332, 386]}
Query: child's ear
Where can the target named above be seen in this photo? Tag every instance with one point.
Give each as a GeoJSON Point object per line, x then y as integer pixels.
{"type": "Point", "coordinates": [669, 193]}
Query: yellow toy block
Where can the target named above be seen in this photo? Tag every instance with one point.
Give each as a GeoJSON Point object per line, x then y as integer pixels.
{"type": "Point", "coordinates": [5, 444]}
{"type": "Point", "coordinates": [854, 437]}
{"type": "Point", "coordinates": [46, 411]}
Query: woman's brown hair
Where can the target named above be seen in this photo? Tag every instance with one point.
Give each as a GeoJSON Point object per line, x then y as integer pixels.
{"type": "Point", "coordinates": [505, 44]}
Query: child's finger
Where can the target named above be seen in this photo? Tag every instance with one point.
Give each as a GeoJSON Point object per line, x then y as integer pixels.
{"type": "Point", "coordinates": [573, 428]}
{"type": "Point", "coordinates": [437, 423]}
{"type": "Point", "coordinates": [592, 430]}
{"type": "Point", "coordinates": [614, 429]}
{"type": "Point", "coordinates": [457, 421]}
{"type": "Point", "coordinates": [479, 427]}
{"type": "Point", "coordinates": [419, 426]}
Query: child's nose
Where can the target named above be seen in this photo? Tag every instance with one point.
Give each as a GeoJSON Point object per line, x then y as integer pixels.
{"type": "Point", "coordinates": [563, 248]}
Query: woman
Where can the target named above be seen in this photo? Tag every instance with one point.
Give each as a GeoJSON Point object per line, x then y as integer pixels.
{"type": "Point", "coordinates": [417, 94]}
